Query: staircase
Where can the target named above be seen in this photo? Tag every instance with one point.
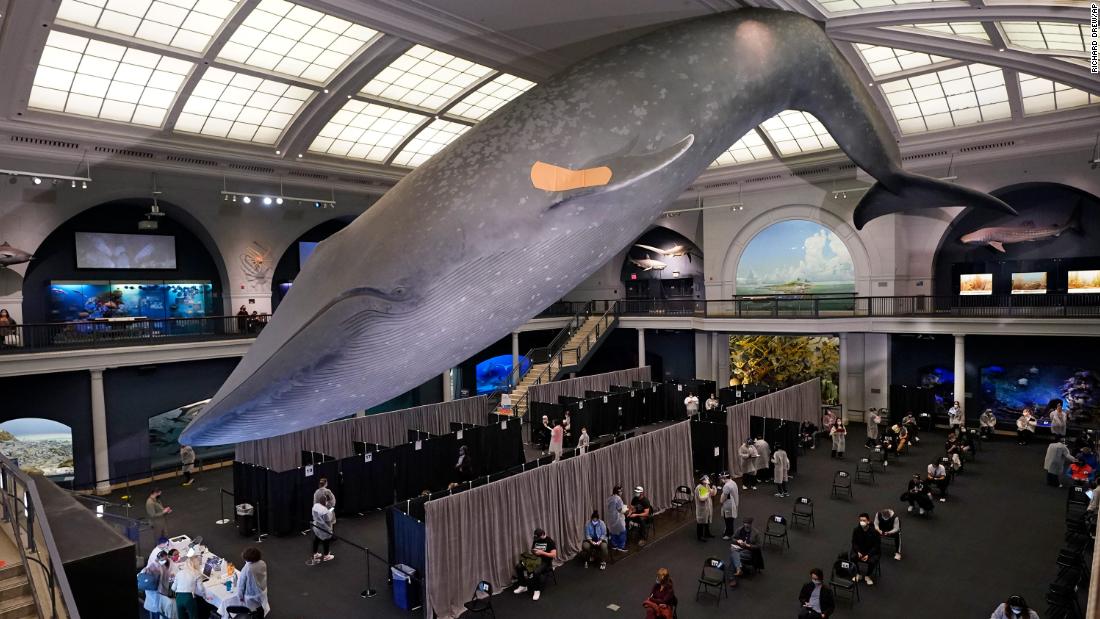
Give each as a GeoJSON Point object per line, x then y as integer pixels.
{"type": "Point", "coordinates": [16, 595]}
{"type": "Point", "coordinates": [568, 352]}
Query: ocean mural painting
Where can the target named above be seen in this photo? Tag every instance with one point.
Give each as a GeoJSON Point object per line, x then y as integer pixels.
{"type": "Point", "coordinates": [795, 257]}
{"type": "Point", "coordinates": [40, 445]}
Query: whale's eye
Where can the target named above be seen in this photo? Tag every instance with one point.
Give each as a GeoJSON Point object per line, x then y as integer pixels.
{"type": "Point", "coordinates": [399, 291]}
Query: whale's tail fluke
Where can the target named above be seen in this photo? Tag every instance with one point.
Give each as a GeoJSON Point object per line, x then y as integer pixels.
{"type": "Point", "coordinates": [919, 191]}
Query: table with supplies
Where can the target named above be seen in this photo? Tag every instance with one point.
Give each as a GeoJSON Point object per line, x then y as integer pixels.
{"type": "Point", "coordinates": [212, 587]}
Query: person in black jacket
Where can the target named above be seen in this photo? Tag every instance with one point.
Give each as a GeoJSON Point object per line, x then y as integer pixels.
{"type": "Point", "coordinates": [817, 600]}
{"type": "Point", "coordinates": [866, 547]}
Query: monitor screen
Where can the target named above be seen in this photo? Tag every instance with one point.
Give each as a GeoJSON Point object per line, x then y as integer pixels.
{"type": "Point", "coordinates": [104, 250]}
{"type": "Point", "coordinates": [1029, 283]}
{"type": "Point", "coordinates": [1084, 281]}
{"type": "Point", "coordinates": [976, 283]}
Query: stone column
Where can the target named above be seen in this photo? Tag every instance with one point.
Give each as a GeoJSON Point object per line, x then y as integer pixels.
{"type": "Point", "coordinates": [99, 434]}
{"type": "Point", "coordinates": [842, 375]}
{"type": "Point", "coordinates": [448, 389]}
{"type": "Point", "coordinates": [515, 355]}
{"type": "Point", "coordinates": [641, 348]}
{"type": "Point", "coordinates": [960, 372]}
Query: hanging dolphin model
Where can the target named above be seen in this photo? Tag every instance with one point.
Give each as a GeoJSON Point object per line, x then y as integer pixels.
{"type": "Point", "coordinates": [10, 256]}
{"type": "Point", "coordinates": [522, 208]}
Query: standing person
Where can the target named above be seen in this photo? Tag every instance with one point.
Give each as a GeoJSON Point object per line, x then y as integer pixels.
{"type": "Point", "coordinates": [1014, 608]}
{"type": "Point", "coordinates": [691, 404]}
{"type": "Point", "coordinates": [1057, 457]}
{"type": "Point", "coordinates": [544, 434]}
{"type": "Point", "coordinates": [616, 518]}
{"type": "Point", "coordinates": [763, 460]}
{"type": "Point", "coordinates": [323, 495]}
{"type": "Point", "coordinates": [242, 320]}
{"type": "Point", "coordinates": [711, 404]}
{"type": "Point", "coordinates": [543, 547]}
{"type": "Point", "coordinates": [155, 571]}
{"type": "Point", "coordinates": [1025, 426]}
{"type": "Point", "coordinates": [781, 471]}
{"type": "Point", "coordinates": [873, 419]}
{"type": "Point", "coordinates": [661, 597]}
{"type": "Point", "coordinates": [817, 599]}
{"type": "Point", "coordinates": [887, 524]}
{"type": "Point", "coordinates": [866, 547]}
{"type": "Point", "coordinates": [955, 417]}
{"type": "Point", "coordinates": [596, 541]}
{"type": "Point", "coordinates": [187, 458]}
{"type": "Point", "coordinates": [323, 519]}
{"type": "Point", "coordinates": [557, 440]}
{"type": "Point", "coordinates": [731, 500]}
{"type": "Point", "coordinates": [186, 587]}
{"type": "Point", "coordinates": [827, 420]}
{"type": "Point", "coordinates": [464, 467]}
{"type": "Point", "coordinates": [838, 434]}
{"type": "Point", "coordinates": [704, 508]}
{"type": "Point", "coordinates": [748, 454]}
{"type": "Point", "coordinates": [252, 582]}
{"type": "Point", "coordinates": [567, 427]}
{"type": "Point", "coordinates": [157, 513]}
{"type": "Point", "coordinates": [582, 442]}
{"type": "Point", "coordinates": [1058, 420]}
{"type": "Point", "coordinates": [987, 423]}
{"type": "Point", "coordinates": [7, 326]}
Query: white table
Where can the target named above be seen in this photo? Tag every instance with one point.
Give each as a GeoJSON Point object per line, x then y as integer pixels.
{"type": "Point", "coordinates": [213, 590]}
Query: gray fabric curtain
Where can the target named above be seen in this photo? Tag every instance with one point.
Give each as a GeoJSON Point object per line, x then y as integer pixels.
{"type": "Point", "coordinates": [478, 534]}
{"type": "Point", "coordinates": [282, 453]}
{"type": "Point", "coordinates": [576, 387]}
{"type": "Point", "coordinates": [799, 403]}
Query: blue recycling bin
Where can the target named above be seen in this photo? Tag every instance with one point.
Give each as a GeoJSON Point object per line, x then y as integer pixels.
{"type": "Point", "coordinates": [404, 589]}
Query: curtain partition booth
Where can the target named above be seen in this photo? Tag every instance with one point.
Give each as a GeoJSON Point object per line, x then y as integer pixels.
{"type": "Point", "coordinates": [911, 399]}
{"type": "Point", "coordinates": [575, 387]}
{"type": "Point", "coordinates": [603, 412]}
{"type": "Point", "coordinates": [675, 393]}
{"type": "Point", "coordinates": [792, 405]}
{"type": "Point", "coordinates": [477, 534]}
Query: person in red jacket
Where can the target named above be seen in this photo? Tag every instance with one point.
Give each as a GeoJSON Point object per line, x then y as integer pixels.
{"type": "Point", "coordinates": [661, 598]}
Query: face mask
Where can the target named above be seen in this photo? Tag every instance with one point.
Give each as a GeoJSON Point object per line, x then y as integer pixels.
{"type": "Point", "coordinates": [164, 562]}
{"type": "Point", "coordinates": [864, 523]}
{"type": "Point", "coordinates": [816, 581]}
{"type": "Point", "coordinates": [1016, 610]}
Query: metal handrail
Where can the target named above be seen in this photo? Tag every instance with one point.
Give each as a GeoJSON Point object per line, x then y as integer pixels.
{"type": "Point", "coordinates": [126, 332]}
{"type": "Point", "coordinates": [56, 579]}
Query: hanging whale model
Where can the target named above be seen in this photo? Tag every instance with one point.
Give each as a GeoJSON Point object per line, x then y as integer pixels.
{"type": "Point", "coordinates": [672, 252]}
{"type": "Point", "coordinates": [523, 207]}
{"type": "Point", "coordinates": [10, 256]}
{"type": "Point", "coordinates": [648, 264]}
{"type": "Point", "coordinates": [999, 236]}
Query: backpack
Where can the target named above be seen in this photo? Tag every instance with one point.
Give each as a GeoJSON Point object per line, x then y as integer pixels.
{"type": "Point", "coordinates": [147, 581]}
{"type": "Point", "coordinates": [530, 562]}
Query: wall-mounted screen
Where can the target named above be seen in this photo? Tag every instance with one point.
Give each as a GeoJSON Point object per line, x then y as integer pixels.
{"type": "Point", "coordinates": [976, 283]}
{"type": "Point", "coordinates": [1084, 281]}
{"type": "Point", "coordinates": [103, 250]}
{"type": "Point", "coordinates": [1029, 283]}
{"type": "Point", "coordinates": [494, 373]}
{"type": "Point", "coordinates": [305, 250]}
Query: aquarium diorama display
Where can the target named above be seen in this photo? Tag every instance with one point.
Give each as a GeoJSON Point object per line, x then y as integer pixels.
{"type": "Point", "coordinates": [1008, 389]}
{"type": "Point", "coordinates": [785, 360]}
{"type": "Point", "coordinates": [73, 301]}
{"type": "Point", "coordinates": [40, 445]}
{"type": "Point", "coordinates": [1029, 283]}
{"type": "Point", "coordinates": [976, 284]}
{"type": "Point", "coordinates": [795, 257]}
{"type": "Point", "coordinates": [1084, 281]}
{"type": "Point", "coordinates": [941, 381]}
{"type": "Point", "coordinates": [493, 374]}
{"type": "Point", "coordinates": [164, 434]}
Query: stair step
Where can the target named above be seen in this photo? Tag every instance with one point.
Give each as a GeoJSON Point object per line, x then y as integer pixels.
{"type": "Point", "coordinates": [12, 571]}
{"type": "Point", "coordinates": [17, 608]}
{"type": "Point", "coordinates": [13, 588]}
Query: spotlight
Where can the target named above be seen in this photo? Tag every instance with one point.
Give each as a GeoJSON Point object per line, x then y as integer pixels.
{"type": "Point", "coordinates": [246, 200]}
{"type": "Point", "coordinates": [316, 205]}
{"type": "Point", "coordinates": [278, 152]}
{"type": "Point", "coordinates": [73, 185]}
{"type": "Point", "coordinates": [267, 201]}
{"type": "Point", "coordinates": [83, 184]}
{"type": "Point", "coordinates": [278, 200]}
{"type": "Point", "coordinates": [225, 198]}
{"type": "Point", "coordinates": [234, 198]}
{"type": "Point", "coordinates": [299, 155]}
{"type": "Point", "coordinates": [36, 181]}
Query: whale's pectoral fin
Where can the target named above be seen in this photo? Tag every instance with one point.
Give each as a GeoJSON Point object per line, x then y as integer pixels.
{"type": "Point", "coordinates": [918, 191]}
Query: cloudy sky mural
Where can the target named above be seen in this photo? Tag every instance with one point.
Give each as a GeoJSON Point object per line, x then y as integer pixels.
{"type": "Point", "coordinates": [795, 256]}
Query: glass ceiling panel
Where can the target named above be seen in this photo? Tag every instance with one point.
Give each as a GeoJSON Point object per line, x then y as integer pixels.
{"type": "Point", "coordinates": [295, 41]}
{"type": "Point", "coordinates": [367, 131]}
{"type": "Point", "coordinates": [1047, 36]}
{"type": "Point", "coordinates": [885, 61]}
{"type": "Point", "coordinates": [490, 97]}
{"type": "Point", "coordinates": [1042, 95]}
{"type": "Point", "coordinates": [950, 98]}
{"type": "Point", "coordinates": [843, 6]}
{"type": "Point", "coordinates": [426, 78]}
{"type": "Point", "coordinates": [91, 78]}
{"type": "Point", "coordinates": [428, 142]}
{"type": "Point", "coordinates": [242, 107]}
{"type": "Point", "coordinates": [794, 132]}
{"type": "Point", "coordinates": [186, 24]}
{"type": "Point", "coordinates": [748, 149]}
{"type": "Point", "coordinates": [970, 30]}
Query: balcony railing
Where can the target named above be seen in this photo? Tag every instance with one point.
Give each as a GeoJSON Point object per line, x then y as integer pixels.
{"type": "Point", "coordinates": [125, 332]}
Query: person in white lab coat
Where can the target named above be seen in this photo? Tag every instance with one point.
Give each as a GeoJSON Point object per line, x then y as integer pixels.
{"type": "Point", "coordinates": [691, 404]}
{"type": "Point", "coordinates": [748, 454]}
{"type": "Point", "coordinates": [763, 460]}
{"type": "Point", "coordinates": [731, 500]}
{"type": "Point", "coordinates": [781, 471]}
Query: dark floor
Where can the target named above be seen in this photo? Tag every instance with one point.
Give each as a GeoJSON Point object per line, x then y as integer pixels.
{"type": "Point", "coordinates": [998, 534]}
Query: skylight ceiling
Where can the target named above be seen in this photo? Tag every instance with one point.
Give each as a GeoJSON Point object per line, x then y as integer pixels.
{"type": "Point", "coordinates": [428, 142]}
{"type": "Point", "coordinates": [241, 107]}
{"type": "Point", "coordinates": [843, 6]}
{"type": "Point", "coordinates": [425, 78]}
{"type": "Point", "coordinates": [295, 41]}
{"type": "Point", "coordinates": [794, 132]}
{"type": "Point", "coordinates": [973, 31]}
{"type": "Point", "coordinates": [490, 97]}
{"type": "Point", "coordinates": [749, 148]}
{"type": "Point", "coordinates": [1046, 36]}
{"type": "Point", "coordinates": [888, 60]}
{"type": "Point", "coordinates": [185, 24]}
{"type": "Point", "coordinates": [367, 131]}
{"type": "Point", "coordinates": [91, 78]}
{"type": "Point", "coordinates": [1042, 95]}
{"type": "Point", "coordinates": [950, 98]}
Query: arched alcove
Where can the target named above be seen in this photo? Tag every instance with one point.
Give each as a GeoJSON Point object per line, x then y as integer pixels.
{"type": "Point", "coordinates": [197, 260]}
{"type": "Point", "coordinates": [834, 228]}
{"type": "Point", "coordinates": [663, 264]}
{"type": "Point", "coordinates": [290, 263]}
{"type": "Point", "coordinates": [41, 445]}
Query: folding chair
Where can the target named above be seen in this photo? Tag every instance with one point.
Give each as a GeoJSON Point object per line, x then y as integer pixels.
{"type": "Point", "coordinates": [803, 510]}
{"type": "Point", "coordinates": [681, 499]}
{"type": "Point", "coordinates": [482, 601]}
{"type": "Point", "coordinates": [238, 612]}
{"type": "Point", "coordinates": [864, 472]}
{"type": "Point", "coordinates": [842, 483]}
{"type": "Point", "coordinates": [713, 576]}
{"type": "Point", "coordinates": [849, 586]}
{"type": "Point", "coordinates": [777, 529]}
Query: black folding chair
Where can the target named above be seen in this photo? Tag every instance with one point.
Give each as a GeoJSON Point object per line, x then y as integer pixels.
{"type": "Point", "coordinates": [482, 601]}
{"type": "Point", "coordinates": [847, 585]}
{"type": "Point", "coordinates": [864, 472]}
{"type": "Point", "coordinates": [803, 511]}
{"type": "Point", "coordinates": [777, 529]}
{"type": "Point", "coordinates": [713, 576]}
{"type": "Point", "coordinates": [681, 499]}
{"type": "Point", "coordinates": [842, 483]}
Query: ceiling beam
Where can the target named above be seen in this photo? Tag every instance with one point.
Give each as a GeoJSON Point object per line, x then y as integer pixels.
{"type": "Point", "coordinates": [1056, 70]}
{"type": "Point", "coordinates": [915, 71]}
{"type": "Point", "coordinates": [408, 138]}
{"type": "Point", "coordinates": [345, 85]}
{"type": "Point", "coordinates": [851, 54]}
{"type": "Point", "coordinates": [922, 14]}
{"type": "Point", "coordinates": [768, 143]}
{"type": "Point", "coordinates": [24, 28]}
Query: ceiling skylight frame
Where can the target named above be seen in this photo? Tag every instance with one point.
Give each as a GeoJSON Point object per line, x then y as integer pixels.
{"type": "Point", "coordinates": [1039, 95]}
{"type": "Point", "coordinates": [188, 25]}
{"type": "Point", "coordinates": [967, 31]}
{"type": "Point", "coordinates": [794, 132]}
{"type": "Point", "coordinates": [884, 61]}
{"type": "Point", "coordinates": [428, 140]}
{"type": "Point", "coordinates": [959, 96]}
{"type": "Point", "coordinates": [488, 96]}
{"type": "Point", "coordinates": [368, 131]}
{"type": "Point", "coordinates": [1058, 38]}
{"type": "Point", "coordinates": [750, 148]}
{"type": "Point", "coordinates": [426, 79]}
{"type": "Point", "coordinates": [242, 107]}
{"type": "Point", "coordinates": [847, 7]}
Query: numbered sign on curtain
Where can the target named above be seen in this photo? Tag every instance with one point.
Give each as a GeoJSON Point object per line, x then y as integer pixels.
{"type": "Point", "coordinates": [368, 457]}
{"type": "Point", "coordinates": [458, 435]}
{"type": "Point", "coordinates": [717, 452]}
{"type": "Point", "coordinates": [309, 470]}
{"type": "Point", "coordinates": [418, 446]}
{"type": "Point", "coordinates": [605, 399]}
{"type": "Point", "coordinates": [738, 394]}
{"type": "Point", "coordinates": [580, 404]}
{"type": "Point", "coordinates": [504, 425]}
{"type": "Point", "coordinates": [679, 387]}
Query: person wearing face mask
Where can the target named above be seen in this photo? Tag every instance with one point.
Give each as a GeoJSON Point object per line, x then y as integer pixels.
{"type": "Point", "coordinates": [745, 547]}
{"type": "Point", "coordinates": [817, 600]}
{"type": "Point", "coordinates": [557, 440]}
{"type": "Point", "coordinates": [918, 495]}
{"type": "Point", "coordinates": [749, 456]}
{"type": "Point", "coordinates": [1058, 420]}
{"type": "Point", "coordinates": [1025, 427]}
{"type": "Point", "coordinates": [661, 597]}
{"type": "Point", "coordinates": [781, 471]}
{"type": "Point", "coordinates": [1014, 608]}
{"type": "Point", "coordinates": [158, 572]}
{"type": "Point", "coordinates": [937, 476]}
{"type": "Point", "coordinates": [544, 434]}
{"type": "Point", "coordinates": [987, 423]}
{"type": "Point", "coordinates": [887, 524]}
{"type": "Point", "coordinates": [704, 508]}
{"type": "Point", "coordinates": [838, 434]}
{"type": "Point", "coordinates": [1055, 461]}
{"type": "Point", "coordinates": [616, 515]}
{"type": "Point", "coordinates": [866, 548]}
{"type": "Point", "coordinates": [595, 543]}
{"type": "Point", "coordinates": [582, 442]}
{"type": "Point", "coordinates": [731, 500]}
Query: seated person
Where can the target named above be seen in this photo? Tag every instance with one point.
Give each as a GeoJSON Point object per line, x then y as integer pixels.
{"type": "Point", "coordinates": [966, 442]}
{"type": "Point", "coordinates": [536, 564]}
{"type": "Point", "coordinates": [866, 547]}
{"type": "Point", "coordinates": [806, 433]}
{"type": "Point", "coordinates": [1086, 455]}
{"type": "Point", "coordinates": [909, 422]}
{"type": "Point", "coordinates": [918, 495]}
{"type": "Point", "coordinates": [937, 477]}
{"type": "Point", "coordinates": [641, 514]}
{"type": "Point", "coordinates": [816, 598]}
{"type": "Point", "coordinates": [884, 448]}
{"type": "Point", "coordinates": [661, 597]}
{"type": "Point", "coordinates": [745, 547]}
{"type": "Point", "coordinates": [888, 524]}
{"type": "Point", "coordinates": [903, 437]}
{"type": "Point", "coordinates": [596, 544]}
{"type": "Point", "coordinates": [987, 423]}
{"type": "Point", "coordinates": [1081, 473]}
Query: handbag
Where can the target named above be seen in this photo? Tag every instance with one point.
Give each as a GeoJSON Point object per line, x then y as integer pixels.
{"type": "Point", "coordinates": [147, 581]}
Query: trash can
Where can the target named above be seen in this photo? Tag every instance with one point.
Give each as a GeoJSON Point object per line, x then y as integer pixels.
{"type": "Point", "coordinates": [246, 519]}
{"type": "Point", "coordinates": [405, 594]}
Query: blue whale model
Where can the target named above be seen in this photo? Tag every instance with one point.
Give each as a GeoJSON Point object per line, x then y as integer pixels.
{"type": "Point", "coordinates": [526, 205]}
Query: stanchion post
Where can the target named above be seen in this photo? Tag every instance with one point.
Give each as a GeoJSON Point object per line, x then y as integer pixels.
{"type": "Point", "coordinates": [369, 592]}
{"type": "Point", "coordinates": [221, 507]}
